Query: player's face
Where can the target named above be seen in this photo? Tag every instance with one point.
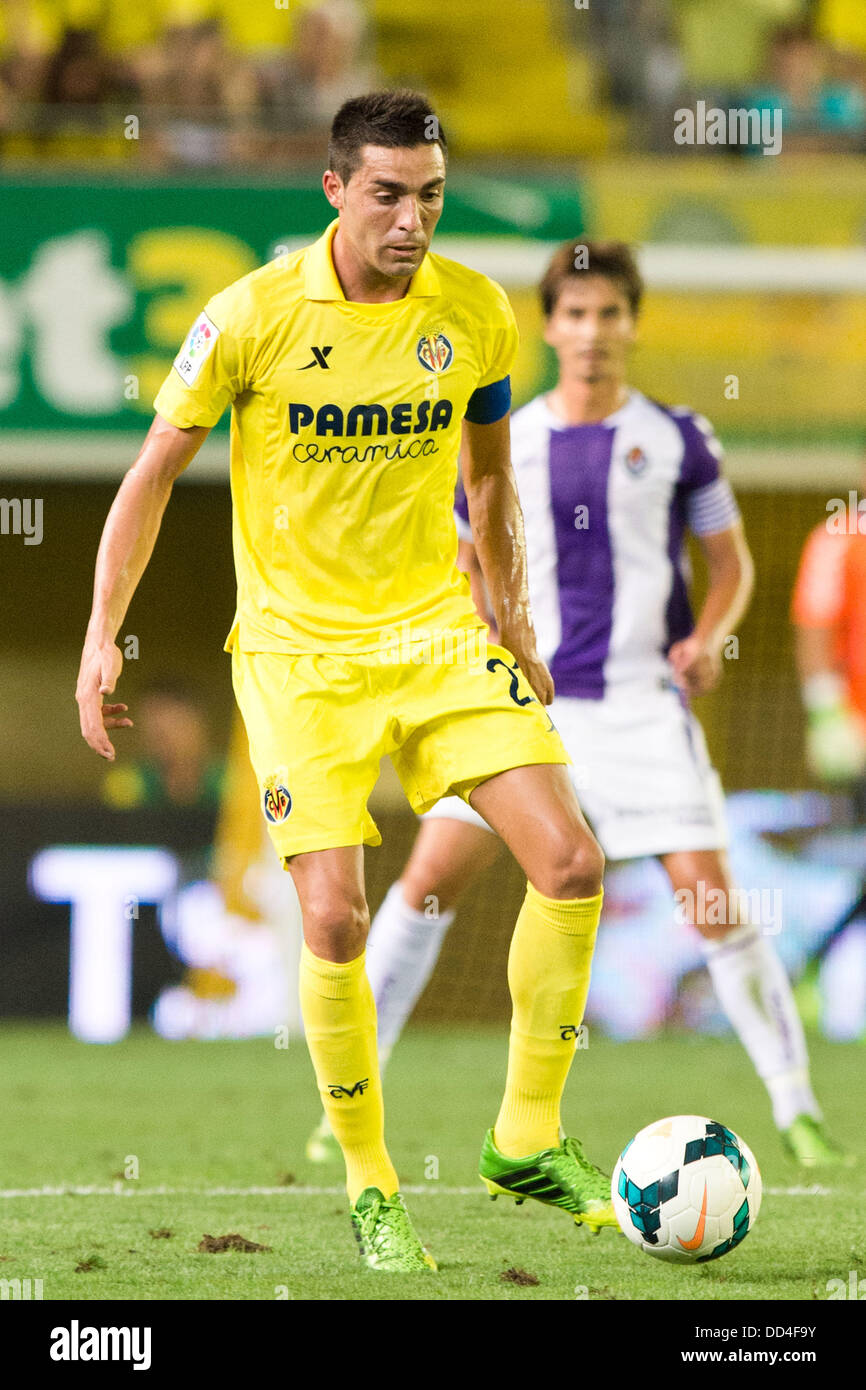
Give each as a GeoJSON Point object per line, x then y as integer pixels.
{"type": "Point", "coordinates": [390, 206]}
{"type": "Point", "coordinates": [591, 329]}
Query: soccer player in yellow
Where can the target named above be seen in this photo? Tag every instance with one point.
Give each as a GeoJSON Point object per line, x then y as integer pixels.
{"type": "Point", "coordinates": [354, 369]}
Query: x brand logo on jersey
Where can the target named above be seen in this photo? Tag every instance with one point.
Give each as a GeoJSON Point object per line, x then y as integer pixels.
{"type": "Point", "coordinates": [358, 1089]}
{"type": "Point", "coordinates": [319, 355]}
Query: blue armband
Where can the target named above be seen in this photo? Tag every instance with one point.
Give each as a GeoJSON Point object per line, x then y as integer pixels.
{"type": "Point", "coordinates": [489, 403]}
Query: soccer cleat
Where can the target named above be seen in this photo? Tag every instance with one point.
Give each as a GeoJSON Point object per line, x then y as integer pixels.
{"type": "Point", "coordinates": [561, 1177]}
{"type": "Point", "coordinates": [386, 1236]}
{"type": "Point", "coordinates": [809, 1145]}
{"type": "Point", "coordinates": [322, 1146]}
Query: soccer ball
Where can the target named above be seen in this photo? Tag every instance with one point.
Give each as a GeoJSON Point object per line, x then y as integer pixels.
{"type": "Point", "coordinates": [686, 1189]}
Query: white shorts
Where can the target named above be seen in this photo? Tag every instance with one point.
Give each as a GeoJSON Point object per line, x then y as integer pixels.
{"type": "Point", "coordinates": [641, 771]}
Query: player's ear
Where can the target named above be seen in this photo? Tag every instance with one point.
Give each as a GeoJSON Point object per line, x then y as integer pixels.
{"type": "Point", "coordinates": [333, 187]}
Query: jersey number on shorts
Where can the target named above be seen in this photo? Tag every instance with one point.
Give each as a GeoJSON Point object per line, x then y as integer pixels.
{"type": "Point", "coordinates": [512, 690]}
{"type": "Point", "coordinates": [513, 672]}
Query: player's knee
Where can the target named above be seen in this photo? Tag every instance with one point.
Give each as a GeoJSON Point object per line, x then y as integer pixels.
{"type": "Point", "coordinates": [575, 871]}
{"type": "Point", "coordinates": [426, 884]}
{"type": "Point", "coordinates": [336, 928]}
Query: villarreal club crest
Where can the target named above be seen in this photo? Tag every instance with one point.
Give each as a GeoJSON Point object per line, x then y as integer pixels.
{"type": "Point", "coordinates": [276, 800]}
{"type": "Point", "coordinates": [435, 352]}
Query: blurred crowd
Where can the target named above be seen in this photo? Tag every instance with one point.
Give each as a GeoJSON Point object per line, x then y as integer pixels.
{"type": "Point", "coordinates": [213, 82]}
{"type": "Point", "coordinates": [806, 58]}
{"type": "Point", "coordinates": [209, 82]}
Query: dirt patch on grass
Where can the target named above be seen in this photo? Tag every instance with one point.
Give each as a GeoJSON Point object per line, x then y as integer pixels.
{"type": "Point", "coordinates": [214, 1245]}
{"type": "Point", "coordinates": [518, 1276]}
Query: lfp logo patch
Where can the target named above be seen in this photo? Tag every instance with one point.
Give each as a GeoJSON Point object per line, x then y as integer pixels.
{"type": "Point", "coordinates": [197, 349]}
{"type": "Point", "coordinates": [636, 461]}
{"type": "Point", "coordinates": [435, 352]}
{"type": "Point", "coordinates": [276, 801]}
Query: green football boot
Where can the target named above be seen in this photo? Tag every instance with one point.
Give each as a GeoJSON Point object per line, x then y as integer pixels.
{"type": "Point", "coordinates": [386, 1236]}
{"type": "Point", "coordinates": [321, 1146]}
{"type": "Point", "coordinates": [562, 1177]}
{"type": "Point", "coordinates": [807, 1142]}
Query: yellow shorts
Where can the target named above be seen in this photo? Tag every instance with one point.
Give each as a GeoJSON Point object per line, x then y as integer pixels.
{"type": "Point", "coordinates": [318, 726]}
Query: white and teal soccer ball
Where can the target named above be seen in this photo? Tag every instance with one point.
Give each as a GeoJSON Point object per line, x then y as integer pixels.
{"type": "Point", "coordinates": [686, 1189]}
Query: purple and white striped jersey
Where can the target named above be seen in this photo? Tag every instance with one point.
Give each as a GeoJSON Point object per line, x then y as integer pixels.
{"type": "Point", "coordinates": [606, 508]}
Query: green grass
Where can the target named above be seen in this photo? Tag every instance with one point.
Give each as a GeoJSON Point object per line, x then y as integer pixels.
{"type": "Point", "coordinates": [198, 1116]}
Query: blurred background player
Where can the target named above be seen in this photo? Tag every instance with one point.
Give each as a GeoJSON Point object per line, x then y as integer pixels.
{"type": "Point", "coordinates": [176, 765]}
{"type": "Point", "coordinates": [236, 926]}
{"type": "Point", "coordinates": [828, 610]}
{"type": "Point", "coordinates": [829, 615]}
{"type": "Point", "coordinates": [609, 483]}
{"type": "Point", "coordinates": [239, 929]}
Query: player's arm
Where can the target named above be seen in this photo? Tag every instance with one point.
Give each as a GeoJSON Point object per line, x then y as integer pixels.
{"type": "Point", "coordinates": [697, 659]}
{"type": "Point", "coordinates": [128, 538]}
{"type": "Point", "coordinates": [467, 562]}
{"type": "Point", "coordinates": [497, 531]}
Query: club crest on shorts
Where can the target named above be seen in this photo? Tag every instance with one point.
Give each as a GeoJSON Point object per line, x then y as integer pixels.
{"type": "Point", "coordinates": [636, 461]}
{"type": "Point", "coordinates": [276, 800]}
{"type": "Point", "coordinates": [435, 352]}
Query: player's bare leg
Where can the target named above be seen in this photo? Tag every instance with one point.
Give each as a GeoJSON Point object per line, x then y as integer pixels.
{"type": "Point", "coordinates": [535, 811]}
{"type": "Point", "coordinates": [340, 1026]}
{"type": "Point", "coordinates": [755, 992]}
{"type": "Point", "coordinates": [408, 930]}
{"type": "Point", "coordinates": [447, 857]}
{"type": "Point", "coordinates": [330, 886]}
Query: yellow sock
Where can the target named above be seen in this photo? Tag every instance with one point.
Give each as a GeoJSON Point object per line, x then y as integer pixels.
{"type": "Point", "coordinates": [548, 975]}
{"type": "Point", "coordinates": [340, 1025]}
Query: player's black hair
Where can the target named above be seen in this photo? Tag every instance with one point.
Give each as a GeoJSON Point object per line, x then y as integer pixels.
{"type": "Point", "coordinates": [574, 259]}
{"type": "Point", "coordinates": [396, 119]}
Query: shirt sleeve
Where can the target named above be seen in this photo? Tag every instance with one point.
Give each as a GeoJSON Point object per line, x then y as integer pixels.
{"type": "Point", "coordinates": [710, 503]}
{"type": "Point", "coordinates": [208, 372]}
{"type": "Point", "coordinates": [819, 590]}
{"type": "Point", "coordinates": [711, 508]}
{"type": "Point", "coordinates": [500, 336]}
{"type": "Point", "coordinates": [702, 453]}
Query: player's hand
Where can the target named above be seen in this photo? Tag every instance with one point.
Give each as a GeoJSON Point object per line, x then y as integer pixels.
{"type": "Point", "coordinates": [101, 664]}
{"type": "Point", "coordinates": [696, 667]}
{"type": "Point", "coordinates": [835, 744]}
{"type": "Point", "coordinates": [532, 667]}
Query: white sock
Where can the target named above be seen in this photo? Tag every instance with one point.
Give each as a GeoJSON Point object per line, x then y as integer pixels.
{"type": "Point", "coordinates": [755, 992]}
{"type": "Point", "coordinates": [843, 986]}
{"type": "Point", "coordinates": [402, 950]}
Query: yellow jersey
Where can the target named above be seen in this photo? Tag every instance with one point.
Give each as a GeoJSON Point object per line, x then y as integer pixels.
{"type": "Point", "coordinates": [345, 434]}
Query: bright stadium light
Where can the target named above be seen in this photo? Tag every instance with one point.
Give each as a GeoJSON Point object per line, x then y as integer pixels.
{"type": "Point", "coordinates": [103, 886]}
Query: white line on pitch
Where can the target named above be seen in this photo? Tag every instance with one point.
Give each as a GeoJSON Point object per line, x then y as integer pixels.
{"type": "Point", "coordinates": [131, 1189]}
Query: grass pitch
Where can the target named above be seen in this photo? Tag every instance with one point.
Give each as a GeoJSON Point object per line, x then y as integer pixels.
{"type": "Point", "coordinates": [115, 1162]}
